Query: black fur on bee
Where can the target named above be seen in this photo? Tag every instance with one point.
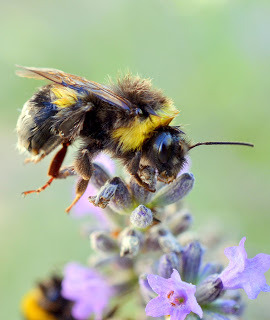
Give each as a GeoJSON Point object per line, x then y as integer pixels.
{"type": "Point", "coordinates": [52, 300]}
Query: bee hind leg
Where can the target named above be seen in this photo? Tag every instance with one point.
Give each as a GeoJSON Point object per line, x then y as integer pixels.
{"type": "Point", "coordinates": [54, 171]}
{"type": "Point", "coordinates": [80, 190]}
{"type": "Point", "coordinates": [84, 168]}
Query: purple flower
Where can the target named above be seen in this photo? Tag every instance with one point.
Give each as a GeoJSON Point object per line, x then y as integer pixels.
{"type": "Point", "coordinates": [88, 289]}
{"type": "Point", "coordinates": [245, 273]}
{"type": "Point", "coordinates": [83, 206]}
{"type": "Point", "coordinates": [175, 297]}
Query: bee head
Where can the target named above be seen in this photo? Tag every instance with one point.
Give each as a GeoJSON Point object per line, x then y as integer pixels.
{"type": "Point", "coordinates": [168, 154]}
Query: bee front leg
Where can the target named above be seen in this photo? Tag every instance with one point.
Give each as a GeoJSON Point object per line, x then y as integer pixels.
{"type": "Point", "coordinates": [133, 168]}
{"type": "Point", "coordinates": [54, 169]}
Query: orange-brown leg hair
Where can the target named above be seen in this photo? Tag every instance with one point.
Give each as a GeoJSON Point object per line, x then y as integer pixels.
{"type": "Point", "coordinates": [80, 189]}
{"type": "Point", "coordinates": [54, 169]}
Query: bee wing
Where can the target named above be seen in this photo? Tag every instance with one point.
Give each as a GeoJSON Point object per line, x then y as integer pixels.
{"type": "Point", "coordinates": [77, 83]}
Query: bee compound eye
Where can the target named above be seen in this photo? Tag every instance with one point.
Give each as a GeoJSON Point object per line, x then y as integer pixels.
{"type": "Point", "coordinates": [165, 147]}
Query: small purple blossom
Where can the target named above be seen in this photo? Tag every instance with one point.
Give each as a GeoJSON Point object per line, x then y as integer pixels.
{"type": "Point", "coordinates": [88, 289]}
{"type": "Point", "coordinates": [244, 273]}
{"type": "Point", "coordinates": [175, 297]}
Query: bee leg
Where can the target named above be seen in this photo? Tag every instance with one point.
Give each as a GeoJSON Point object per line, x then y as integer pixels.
{"type": "Point", "coordinates": [66, 172]}
{"type": "Point", "coordinates": [133, 168]}
{"type": "Point", "coordinates": [84, 168]}
{"type": "Point", "coordinates": [142, 183]}
{"type": "Point", "coordinates": [80, 189]}
{"type": "Point", "coordinates": [54, 169]}
{"type": "Point", "coordinates": [35, 159]}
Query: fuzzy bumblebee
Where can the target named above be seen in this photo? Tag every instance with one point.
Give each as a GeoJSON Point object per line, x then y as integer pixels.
{"type": "Point", "coordinates": [129, 120]}
{"type": "Point", "coordinates": [45, 302]}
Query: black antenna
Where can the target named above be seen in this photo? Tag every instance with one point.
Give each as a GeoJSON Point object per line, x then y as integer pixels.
{"type": "Point", "coordinates": [212, 143]}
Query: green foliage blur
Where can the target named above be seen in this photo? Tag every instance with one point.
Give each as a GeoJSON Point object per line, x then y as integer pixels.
{"type": "Point", "coordinates": [212, 57]}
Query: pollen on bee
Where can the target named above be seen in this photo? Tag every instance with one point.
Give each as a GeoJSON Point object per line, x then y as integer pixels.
{"type": "Point", "coordinates": [66, 96]}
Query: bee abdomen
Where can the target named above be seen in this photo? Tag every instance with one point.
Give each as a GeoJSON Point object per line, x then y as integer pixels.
{"type": "Point", "coordinates": [35, 123]}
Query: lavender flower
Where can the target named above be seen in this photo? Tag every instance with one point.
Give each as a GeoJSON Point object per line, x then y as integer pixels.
{"type": "Point", "coordinates": [138, 236]}
{"type": "Point", "coordinates": [175, 297]}
{"type": "Point", "coordinates": [88, 289]}
{"type": "Point", "coordinates": [245, 273]}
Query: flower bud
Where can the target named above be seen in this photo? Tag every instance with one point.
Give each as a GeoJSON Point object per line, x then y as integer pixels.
{"type": "Point", "coordinates": [175, 191]}
{"type": "Point", "coordinates": [210, 268]}
{"type": "Point", "coordinates": [191, 259]}
{"type": "Point", "coordinates": [130, 246]}
{"type": "Point", "coordinates": [130, 242]}
{"type": "Point", "coordinates": [114, 192]}
{"type": "Point", "coordinates": [99, 176]}
{"type": "Point", "coordinates": [151, 238]}
{"type": "Point", "coordinates": [232, 295]}
{"type": "Point", "coordinates": [104, 195]}
{"type": "Point", "coordinates": [168, 242]}
{"type": "Point", "coordinates": [124, 263]}
{"type": "Point", "coordinates": [167, 263]}
{"type": "Point", "coordinates": [209, 290]}
{"type": "Point", "coordinates": [179, 222]}
{"type": "Point", "coordinates": [141, 217]}
{"type": "Point", "coordinates": [209, 315]}
{"type": "Point", "coordinates": [145, 289]}
{"type": "Point", "coordinates": [122, 200]}
{"type": "Point", "coordinates": [140, 194]}
{"type": "Point", "coordinates": [101, 241]}
{"type": "Point", "coordinates": [228, 307]}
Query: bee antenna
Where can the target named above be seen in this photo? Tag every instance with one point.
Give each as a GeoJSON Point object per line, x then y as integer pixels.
{"type": "Point", "coordinates": [220, 142]}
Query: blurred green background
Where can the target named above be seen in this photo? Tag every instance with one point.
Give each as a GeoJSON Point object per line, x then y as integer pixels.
{"type": "Point", "coordinates": [212, 57]}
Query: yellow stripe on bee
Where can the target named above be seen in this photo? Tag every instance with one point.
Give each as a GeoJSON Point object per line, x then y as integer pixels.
{"type": "Point", "coordinates": [133, 136]}
{"type": "Point", "coordinates": [31, 309]}
{"type": "Point", "coordinates": [66, 97]}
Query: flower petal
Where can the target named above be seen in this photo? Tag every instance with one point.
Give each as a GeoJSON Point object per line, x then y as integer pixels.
{"type": "Point", "coordinates": [88, 289]}
{"type": "Point", "coordinates": [178, 314]}
{"type": "Point", "coordinates": [176, 276]}
{"type": "Point", "coordinates": [159, 285]}
{"type": "Point", "coordinates": [194, 306]}
{"type": "Point", "coordinates": [158, 307]}
{"type": "Point", "coordinates": [237, 255]}
{"type": "Point", "coordinates": [260, 261]}
{"type": "Point", "coordinates": [81, 310]}
{"type": "Point", "coordinates": [244, 273]}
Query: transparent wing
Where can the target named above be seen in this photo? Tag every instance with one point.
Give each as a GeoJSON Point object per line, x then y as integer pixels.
{"type": "Point", "coordinates": [77, 83]}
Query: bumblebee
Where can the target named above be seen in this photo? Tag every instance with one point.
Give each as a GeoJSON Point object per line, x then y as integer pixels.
{"type": "Point", "coordinates": [130, 120]}
{"type": "Point", "coordinates": [45, 302]}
